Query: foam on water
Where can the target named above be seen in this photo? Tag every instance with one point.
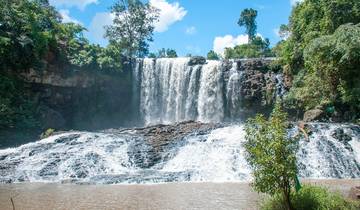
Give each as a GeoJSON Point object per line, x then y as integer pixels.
{"type": "Point", "coordinates": [217, 156]}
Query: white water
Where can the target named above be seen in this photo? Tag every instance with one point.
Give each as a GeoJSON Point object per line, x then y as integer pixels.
{"type": "Point", "coordinates": [170, 90]}
{"type": "Point", "coordinates": [216, 157]}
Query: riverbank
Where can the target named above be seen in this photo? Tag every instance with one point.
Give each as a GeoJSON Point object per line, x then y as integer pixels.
{"type": "Point", "coordinates": [157, 196]}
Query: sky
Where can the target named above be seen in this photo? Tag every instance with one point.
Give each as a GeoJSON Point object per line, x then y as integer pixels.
{"type": "Point", "coordinates": [188, 26]}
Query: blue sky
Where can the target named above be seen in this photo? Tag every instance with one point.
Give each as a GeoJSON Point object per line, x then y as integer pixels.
{"type": "Point", "coordinates": [188, 26]}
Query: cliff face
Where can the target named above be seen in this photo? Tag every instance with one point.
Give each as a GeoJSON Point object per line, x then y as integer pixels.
{"type": "Point", "coordinates": [80, 99]}
{"type": "Point", "coordinates": [88, 100]}
{"type": "Point", "coordinates": [258, 86]}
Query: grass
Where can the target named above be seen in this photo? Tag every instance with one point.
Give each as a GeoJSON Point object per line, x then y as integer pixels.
{"type": "Point", "coordinates": [312, 198]}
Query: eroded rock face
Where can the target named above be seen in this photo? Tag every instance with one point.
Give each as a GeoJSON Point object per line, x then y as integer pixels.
{"type": "Point", "coordinates": [258, 86]}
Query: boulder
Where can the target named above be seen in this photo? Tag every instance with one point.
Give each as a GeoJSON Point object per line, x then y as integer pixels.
{"type": "Point", "coordinates": [313, 115]}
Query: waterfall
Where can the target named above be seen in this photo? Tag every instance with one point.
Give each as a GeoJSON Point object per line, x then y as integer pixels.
{"type": "Point", "coordinates": [177, 89]}
{"type": "Point", "coordinates": [233, 90]}
{"type": "Point", "coordinates": [173, 91]}
{"type": "Point", "coordinates": [210, 102]}
{"type": "Point", "coordinates": [217, 155]}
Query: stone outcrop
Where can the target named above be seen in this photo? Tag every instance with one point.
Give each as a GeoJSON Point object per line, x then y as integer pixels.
{"type": "Point", "coordinates": [197, 60]}
{"type": "Point", "coordinates": [259, 86]}
{"type": "Point", "coordinates": [313, 115]}
{"type": "Point", "coordinates": [157, 141]}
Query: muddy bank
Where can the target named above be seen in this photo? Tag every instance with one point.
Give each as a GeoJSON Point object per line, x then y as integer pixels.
{"type": "Point", "coordinates": [160, 196]}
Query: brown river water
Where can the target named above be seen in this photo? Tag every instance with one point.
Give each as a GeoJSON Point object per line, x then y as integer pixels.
{"type": "Point", "coordinates": [39, 196]}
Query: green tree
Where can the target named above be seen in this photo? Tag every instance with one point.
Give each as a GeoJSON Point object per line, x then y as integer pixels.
{"type": "Point", "coordinates": [332, 72]}
{"type": "Point", "coordinates": [164, 53]}
{"type": "Point", "coordinates": [212, 55]}
{"type": "Point", "coordinates": [248, 19]}
{"type": "Point", "coordinates": [284, 31]}
{"type": "Point", "coordinates": [271, 154]}
{"type": "Point", "coordinates": [171, 53]}
{"type": "Point", "coordinates": [311, 19]}
{"type": "Point", "coordinates": [132, 26]}
{"type": "Point", "coordinates": [257, 48]}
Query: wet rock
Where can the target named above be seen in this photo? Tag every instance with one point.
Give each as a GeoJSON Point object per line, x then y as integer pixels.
{"type": "Point", "coordinates": [197, 60]}
{"type": "Point", "coordinates": [313, 115]}
{"type": "Point", "coordinates": [340, 135]}
{"type": "Point", "coordinates": [154, 143]}
{"type": "Point", "coordinates": [67, 139]}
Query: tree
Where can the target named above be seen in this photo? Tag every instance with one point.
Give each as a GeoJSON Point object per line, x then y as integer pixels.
{"type": "Point", "coordinates": [248, 19]}
{"type": "Point", "coordinates": [212, 55]}
{"type": "Point", "coordinates": [164, 53]}
{"type": "Point", "coordinates": [257, 48]}
{"type": "Point", "coordinates": [284, 31]}
{"type": "Point", "coordinates": [171, 53]}
{"type": "Point", "coordinates": [271, 154]}
{"type": "Point", "coordinates": [311, 19]}
{"type": "Point", "coordinates": [132, 27]}
{"type": "Point", "coordinates": [332, 71]}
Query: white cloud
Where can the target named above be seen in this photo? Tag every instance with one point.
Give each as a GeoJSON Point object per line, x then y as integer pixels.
{"type": "Point", "coordinates": [96, 30]}
{"type": "Point", "coordinates": [222, 42]}
{"type": "Point", "coordinates": [169, 14]}
{"type": "Point", "coordinates": [81, 4]}
{"type": "Point", "coordinates": [65, 14]}
{"type": "Point", "coordinates": [190, 30]}
{"type": "Point", "coordinates": [293, 2]}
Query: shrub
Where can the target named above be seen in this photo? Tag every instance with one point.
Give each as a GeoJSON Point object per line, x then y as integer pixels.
{"type": "Point", "coordinates": [49, 132]}
{"type": "Point", "coordinates": [270, 152]}
{"type": "Point", "coordinates": [311, 198]}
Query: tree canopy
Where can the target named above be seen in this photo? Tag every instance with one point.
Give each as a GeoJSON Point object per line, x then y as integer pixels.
{"type": "Point", "coordinates": [257, 48]}
{"type": "Point", "coordinates": [132, 27]}
{"type": "Point", "coordinates": [332, 70]}
{"type": "Point", "coordinates": [211, 55]}
{"type": "Point", "coordinates": [248, 20]}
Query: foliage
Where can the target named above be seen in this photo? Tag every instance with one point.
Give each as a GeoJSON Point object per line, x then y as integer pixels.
{"type": "Point", "coordinates": [164, 53]}
{"type": "Point", "coordinates": [284, 31]}
{"type": "Point", "coordinates": [32, 36]}
{"type": "Point", "coordinates": [257, 48]}
{"type": "Point", "coordinates": [16, 110]}
{"type": "Point", "coordinates": [270, 152]}
{"type": "Point", "coordinates": [312, 19]}
{"type": "Point", "coordinates": [332, 70]}
{"type": "Point", "coordinates": [311, 198]}
{"type": "Point", "coordinates": [27, 30]}
{"type": "Point", "coordinates": [248, 19]}
{"type": "Point", "coordinates": [47, 133]}
{"type": "Point", "coordinates": [132, 27]}
{"type": "Point", "coordinates": [212, 55]}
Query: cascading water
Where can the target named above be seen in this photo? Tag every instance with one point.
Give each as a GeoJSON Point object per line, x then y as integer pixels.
{"type": "Point", "coordinates": [332, 151]}
{"type": "Point", "coordinates": [173, 90]}
{"type": "Point", "coordinates": [233, 90]}
{"type": "Point", "coordinates": [168, 90]}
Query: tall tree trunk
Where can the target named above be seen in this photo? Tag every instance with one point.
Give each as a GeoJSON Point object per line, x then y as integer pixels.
{"type": "Point", "coordinates": [287, 200]}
